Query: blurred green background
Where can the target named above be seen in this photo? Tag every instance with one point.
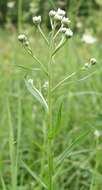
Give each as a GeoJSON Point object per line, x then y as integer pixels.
{"type": "Point", "coordinates": [81, 96]}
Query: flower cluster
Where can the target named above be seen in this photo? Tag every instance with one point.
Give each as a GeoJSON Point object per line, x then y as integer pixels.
{"type": "Point", "coordinates": [60, 18]}
{"type": "Point", "coordinates": [57, 17]}
{"type": "Point", "coordinates": [92, 61]}
{"type": "Point", "coordinates": [23, 39]}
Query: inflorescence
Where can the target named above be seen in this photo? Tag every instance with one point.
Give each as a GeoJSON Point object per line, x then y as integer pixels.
{"type": "Point", "coordinates": [60, 25]}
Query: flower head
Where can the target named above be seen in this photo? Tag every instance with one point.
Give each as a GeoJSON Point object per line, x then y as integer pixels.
{"type": "Point", "coordinates": [22, 38]}
{"type": "Point", "coordinates": [69, 33]}
{"type": "Point", "coordinates": [89, 39]}
{"type": "Point", "coordinates": [93, 61]}
{"type": "Point", "coordinates": [86, 65]}
{"type": "Point", "coordinates": [97, 133]}
{"type": "Point", "coordinates": [27, 43]}
{"type": "Point", "coordinates": [36, 20]}
{"type": "Point", "coordinates": [65, 21]}
{"type": "Point", "coordinates": [52, 13]}
{"type": "Point", "coordinates": [61, 12]}
{"type": "Point", "coordinates": [11, 4]}
{"type": "Point", "coordinates": [58, 17]}
{"type": "Point", "coordinates": [63, 29]}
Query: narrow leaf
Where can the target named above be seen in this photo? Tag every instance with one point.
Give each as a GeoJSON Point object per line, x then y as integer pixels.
{"type": "Point", "coordinates": [37, 94]}
{"type": "Point", "coordinates": [68, 150]}
{"type": "Point", "coordinates": [35, 176]}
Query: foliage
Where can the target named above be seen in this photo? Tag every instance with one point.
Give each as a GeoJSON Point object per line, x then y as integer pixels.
{"type": "Point", "coordinates": [80, 112]}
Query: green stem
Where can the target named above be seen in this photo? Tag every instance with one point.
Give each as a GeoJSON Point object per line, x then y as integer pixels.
{"type": "Point", "coordinates": [50, 142]}
{"type": "Point", "coordinates": [62, 42]}
{"type": "Point", "coordinates": [43, 150]}
{"type": "Point", "coordinates": [43, 35]}
{"type": "Point", "coordinates": [37, 60]}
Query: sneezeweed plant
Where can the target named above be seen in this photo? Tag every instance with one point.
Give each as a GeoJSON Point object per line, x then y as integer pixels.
{"type": "Point", "coordinates": [59, 35]}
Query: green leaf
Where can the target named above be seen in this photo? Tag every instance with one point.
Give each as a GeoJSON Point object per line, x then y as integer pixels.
{"type": "Point", "coordinates": [35, 176]}
{"type": "Point", "coordinates": [37, 94]}
{"type": "Point", "coordinates": [68, 150]}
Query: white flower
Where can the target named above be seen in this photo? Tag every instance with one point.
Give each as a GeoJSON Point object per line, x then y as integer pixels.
{"type": "Point", "coordinates": [65, 20]}
{"type": "Point", "coordinates": [61, 12]}
{"type": "Point", "coordinates": [30, 81]}
{"type": "Point", "coordinates": [89, 39]}
{"type": "Point", "coordinates": [52, 13]}
{"type": "Point", "coordinates": [79, 25]}
{"type": "Point", "coordinates": [27, 43]}
{"type": "Point", "coordinates": [36, 20]}
{"type": "Point", "coordinates": [11, 4]}
{"type": "Point", "coordinates": [22, 38]}
{"type": "Point", "coordinates": [58, 17]}
{"type": "Point", "coordinates": [86, 65]}
{"type": "Point", "coordinates": [93, 61]}
{"type": "Point", "coordinates": [69, 33]}
{"type": "Point", "coordinates": [63, 29]}
{"type": "Point", "coordinates": [97, 133]}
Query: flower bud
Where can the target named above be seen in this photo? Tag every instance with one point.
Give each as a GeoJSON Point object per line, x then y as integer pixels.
{"type": "Point", "coordinates": [26, 43]}
{"type": "Point", "coordinates": [61, 12]}
{"type": "Point", "coordinates": [97, 133]}
{"type": "Point", "coordinates": [86, 65]}
{"type": "Point", "coordinates": [69, 33]}
{"type": "Point", "coordinates": [52, 13]}
{"type": "Point", "coordinates": [22, 38]}
{"type": "Point", "coordinates": [58, 17]}
{"type": "Point", "coordinates": [63, 29]}
{"type": "Point", "coordinates": [93, 61]}
{"type": "Point", "coordinates": [65, 21]}
{"type": "Point", "coordinates": [36, 20]}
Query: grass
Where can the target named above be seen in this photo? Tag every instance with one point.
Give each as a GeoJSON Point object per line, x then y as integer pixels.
{"type": "Point", "coordinates": [21, 124]}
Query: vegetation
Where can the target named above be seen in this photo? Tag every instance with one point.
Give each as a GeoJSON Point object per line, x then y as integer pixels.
{"type": "Point", "coordinates": [77, 152]}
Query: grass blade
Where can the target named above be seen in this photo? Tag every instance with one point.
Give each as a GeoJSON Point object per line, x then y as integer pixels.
{"type": "Point", "coordinates": [3, 183]}
{"type": "Point", "coordinates": [68, 150]}
{"type": "Point", "coordinates": [36, 177]}
{"type": "Point", "coordinates": [11, 149]}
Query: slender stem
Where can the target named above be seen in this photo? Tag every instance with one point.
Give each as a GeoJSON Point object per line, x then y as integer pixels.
{"type": "Point", "coordinates": [57, 33]}
{"type": "Point", "coordinates": [43, 150]}
{"type": "Point", "coordinates": [36, 59]}
{"type": "Point", "coordinates": [43, 35]}
{"type": "Point", "coordinates": [62, 42]}
{"type": "Point", "coordinates": [50, 141]}
{"type": "Point", "coordinates": [64, 80]}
